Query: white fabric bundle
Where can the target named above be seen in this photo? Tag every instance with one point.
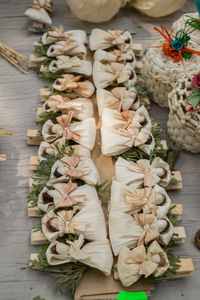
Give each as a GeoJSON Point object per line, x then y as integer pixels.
{"type": "Point", "coordinates": [96, 254]}
{"type": "Point", "coordinates": [148, 200]}
{"type": "Point", "coordinates": [83, 133]}
{"type": "Point", "coordinates": [121, 131]}
{"type": "Point", "coordinates": [132, 264]}
{"type": "Point", "coordinates": [81, 107]}
{"type": "Point", "coordinates": [119, 98]}
{"type": "Point", "coordinates": [46, 148]}
{"type": "Point", "coordinates": [60, 195]}
{"type": "Point", "coordinates": [57, 34]}
{"type": "Point", "coordinates": [51, 149]}
{"type": "Point", "coordinates": [105, 75]}
{"type": "Point", "coordinates": [76, 167]}
{"type": "Point", "coordinates": [69, 82]}
{"type": "Point", "coordinates": [115, 56]}
{"type": "Point", "coordinates": [101, 39]}
{"type": "Point", "coordinates": [68, 47]}
{"type": "Point", "coordinates": [142, 173]}
{"type": "Point", "coordinates": [70, 65]}
{"type": "Point", "coordinates": [38, 11]}
{"type": "Point", "coordinates": [86, 218]}
{"type": "Point", "coordinates": [131, 231]}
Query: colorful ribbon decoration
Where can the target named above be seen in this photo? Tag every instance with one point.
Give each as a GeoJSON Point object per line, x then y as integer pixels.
{"type": "Point", "coordinates": [176, 48]}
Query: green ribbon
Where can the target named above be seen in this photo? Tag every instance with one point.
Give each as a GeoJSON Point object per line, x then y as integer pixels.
{"type": "Point", "coordinates": [194, 98]}
{"type": "Point", "coordinates": [131, 296]}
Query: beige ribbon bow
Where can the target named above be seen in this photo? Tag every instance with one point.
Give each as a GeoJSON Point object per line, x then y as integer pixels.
{"type": "Point", "coordinates": [141, 199]}
{"type": "Point", "coordinates": [66, 224]}
{"type": "Point", "coordinates": [64, 121]}
{"type": "Point", "coordinates": [55, 102]}
{"type": "Point", "coordinates": [70, 82]}
{"type": "Point", "coordinates": [148, 222]}
{"type": "Point", "coordinates": [37, 5]}
{"type": "Point", "coordinates": [115, 37]}
{"type": "Point", "coordinates": [72, 162]}
{"type": "Point", "coordinates": [143, 166]}
{"type": "Point", "coordinates": [139, 256]}
{"type": "Point", "coordinates": [116, 69]}
{"type": "Point", "coordinates": [130, 117]}
{"type": "Point", "coordinates": [65, 190]}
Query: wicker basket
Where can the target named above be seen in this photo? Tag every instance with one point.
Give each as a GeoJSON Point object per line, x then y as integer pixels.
{"type": "Point", "coordinates": [183, 126]}
{"type": "Point", "coordinates": [163, 72]}
{"type": "Point", "coordinates": [195, 35]}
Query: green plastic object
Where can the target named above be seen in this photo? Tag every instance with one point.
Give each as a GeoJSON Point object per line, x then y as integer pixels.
{"type": "Point", "coordinates": [131, 296]}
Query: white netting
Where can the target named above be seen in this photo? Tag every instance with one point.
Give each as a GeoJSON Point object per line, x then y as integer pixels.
{"type": "Point", "coordinates": [183, 126]}
{"type": "Point", "coordinates": [163, 72]}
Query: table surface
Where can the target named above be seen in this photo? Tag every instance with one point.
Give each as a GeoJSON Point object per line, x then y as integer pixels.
{"type": "Point", "coordinates": [19, 97]}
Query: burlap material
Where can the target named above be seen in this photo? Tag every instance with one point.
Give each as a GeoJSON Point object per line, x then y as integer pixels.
{"type": "Point", "coordinates": [163, 72]}
{"type": "Point", "coordinates": [183, 126]}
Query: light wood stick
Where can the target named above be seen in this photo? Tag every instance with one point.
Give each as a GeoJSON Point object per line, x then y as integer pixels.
{"type": "Point", "coordinates": [15, 58]}
{"type": "Point", "coordinates": [5, 132]}
{"type": "Point", "coordinates": [2, 157]}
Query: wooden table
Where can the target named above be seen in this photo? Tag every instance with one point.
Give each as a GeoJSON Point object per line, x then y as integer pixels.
{"type": "Point", "coordinates": [19, 97]}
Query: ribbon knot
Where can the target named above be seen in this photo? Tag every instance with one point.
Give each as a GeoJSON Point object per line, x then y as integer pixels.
{"type": "Point", "coordinates": [71, 162]}
{"type": "Point", "coordinates": [65, 190]}
{"type": "Point", "coordinates": [115, 36]}
{"type": "Point", "coordinates": [148, 222]}
{"type": "Point", "coordinates": [66, 223]}
{"type": "Point", "coordinates": [64, 121]}
{"type": "Point", "coordinates": [38, 5]}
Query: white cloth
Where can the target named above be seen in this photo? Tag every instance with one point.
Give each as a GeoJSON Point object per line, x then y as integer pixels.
{"type": "Point", "coordinates": [119, 98]}
{"type": "Point", "coordinates": [57, 34]}
{"type": "Point", "coordinates": [142, 173]}
{"type": "Point", "coordinates": [132, 264]}
{"type": "Point", "coordinates": [82, 107]}
{"type": "Point", "coordinates": [69, 82]}
{"type": "Point", "coordinates": [83, 133]}
{"type": "Point", "coordinates": [148, 200]}
{"type": "Point", "coordinates": [121, 131]}
{"type": "Point", "coordinates": [101, 39]}
{"type": "Point", "coordinates": [105, 75]}
{"type": "Point", "coordinates": [115, 56]}
{"type": "Point", "coordinates": [86, 218]}
{"type": "Point", "coordinates": [74, 167]}
{"type": "Point", "coordinates": [96, 254]}
{"type": "Point", "coordinates": [39, 11]}
{"type": "Point", "coordinates": [71, 65]}
{"type": "Point", "coordinates": [131, 231]}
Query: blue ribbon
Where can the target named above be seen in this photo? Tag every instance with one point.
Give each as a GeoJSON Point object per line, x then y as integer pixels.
{"type": "Point", "coordinates": [177, 44]}
{"type": "Point", "coordinates": [198, 5]}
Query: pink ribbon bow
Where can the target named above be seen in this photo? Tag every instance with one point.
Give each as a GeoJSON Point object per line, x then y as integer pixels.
{"type": "Point", "coordinates": [64, 121]}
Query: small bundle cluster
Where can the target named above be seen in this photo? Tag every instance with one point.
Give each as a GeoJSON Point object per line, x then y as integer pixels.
{"type": "Point", "coordinates": [66, 188]}
{"type": "Point", "coordinates": [40, 13]}
{"type": "Point", "coordinates": [138, 219]}
{"type": "Point", "coordinates": [125, 123]}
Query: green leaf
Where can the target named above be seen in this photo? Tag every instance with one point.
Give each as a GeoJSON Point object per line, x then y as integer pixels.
{"type": "Point", "coordinates": [194, 98]}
